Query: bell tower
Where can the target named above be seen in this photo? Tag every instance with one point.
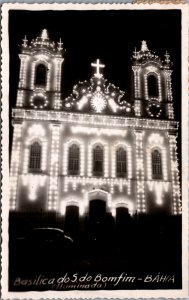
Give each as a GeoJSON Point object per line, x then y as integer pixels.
{"type": "Point", "coordinates": [152, 84]}
{"type": "Point", "coordinates": [40, 73]}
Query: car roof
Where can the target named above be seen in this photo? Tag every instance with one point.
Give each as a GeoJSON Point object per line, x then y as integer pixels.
{"type": "Point", "coordinates": [48, 229]}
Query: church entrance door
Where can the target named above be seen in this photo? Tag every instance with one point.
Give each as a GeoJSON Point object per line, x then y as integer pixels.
{"type": "Point", "coordinates": [97, 224]}
{"type": "Point", "coordinates": [72, 220]}
{"type": "Point", "coordinates": [97, 210]}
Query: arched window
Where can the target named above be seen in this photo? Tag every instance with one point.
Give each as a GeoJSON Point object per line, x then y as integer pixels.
{"type": "Point", "coordinates": [35, 157]}
{"type": "Point", "coordinates": [41, 75]}
{"type": "Point", "coordinates": [156, 164]}
{"type": "Point", "coordinates": [73, 160]}
{"type": "Point", "coordinates": [98, 161]}
{"type": "Point", "coordinates": [153, 86]}
{"type": "Point", "coordinates": [121, 162]}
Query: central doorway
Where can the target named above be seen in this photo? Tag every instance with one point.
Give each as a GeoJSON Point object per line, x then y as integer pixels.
{"type": "Point", "coordinates": [97, 210]}
{"type": "Point", "coordinates": [71, 224]}
{"type": "Point", "coordinates": [97, 225]}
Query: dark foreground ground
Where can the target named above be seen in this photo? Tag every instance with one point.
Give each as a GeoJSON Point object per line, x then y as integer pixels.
{"type": "Point", "coordinates": [141, 252]}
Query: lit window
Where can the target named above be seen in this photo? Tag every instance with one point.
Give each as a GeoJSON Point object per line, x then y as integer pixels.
{"type": "Point", "coordinates": [98, 161]}
{"type": "Point", "coordinates": [35, 157]}
{"type": "Point", "coordinates": [73, 160]}
{"type": "Point", "coordinates": [41, 75]}
{"type": "Point", "coordinates": [153, 86]}
{"type": "Point", "coordinates": [156, 165]}
{"type": "Point", "coordinates": [121, 162]}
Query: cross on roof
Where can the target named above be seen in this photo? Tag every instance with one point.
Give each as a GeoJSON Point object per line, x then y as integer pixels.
{"type": "Point", "coordinates": [97, 65]}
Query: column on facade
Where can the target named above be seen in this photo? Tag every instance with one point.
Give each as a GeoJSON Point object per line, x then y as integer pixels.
{"type": "Point", "coordinates": [57, 83]}
{"type": "Point", "coordinates": [22, 79]}
{"type": "Point", "coordinates": [54, 167]}
{"type": "Point", "coordinates": [170, 111]}
{"type": "Point", "coordinates": [141, 203]}
{"type": "Point", "coordinates": [23, 68]}
{"type": "Point", "coordinates": [32, 77]}
{"type": "Point", "coordinates": [174, 173]}
{"type": "Point", "coordinates": [15, 163]}
{"type": "Point", "coordinates": [137, 91]}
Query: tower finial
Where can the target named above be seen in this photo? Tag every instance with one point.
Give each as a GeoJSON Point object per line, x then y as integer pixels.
{"type": "Point", "coordinates": [135, 53]}
{"type": "Point", "coordinates": [44, 34]}
{"type": "Point", "coordinates": [167, 57]}
{"type": "Point", "coordinates": [144, 46]}
{"type": "Point", "coordinates": [25, 42]}
{"type": "Point", "coordinates": [60, 44]}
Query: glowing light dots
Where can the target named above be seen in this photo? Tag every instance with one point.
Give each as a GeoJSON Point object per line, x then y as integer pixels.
{"type": "Point", "coordinates": [158, 78]}
{"type": "Point", "coordinates": [25, 42]}
{"type": "Point", "coordinates": [137, 108]}
{"type": "Point", "coordinates": [23, 69]}
{"type": "Point", "coordinates": [141, 205]}
{"type": "Point", "coordinates": [169, 85]}
{"type": "Point", "coordinates": [81, 103]}
{"type": "Point", "coordinates": [154, 109]}
{"type": "Point", "coordinates": [44, 34]}
{"type": "Point", "coordinates": [36, 130]}
{"type": "Point", "coordinates": [137, 84]}
{"type": "Point", "coordinates": [66, 147]}
{"type": "Point", "coordinates": [54, 164]}
{"type": "Point", "coordinates": [104, 165]}
{"type": "Point", "coordinates": [98, 66]}
{"type": "Point", "coordinates": [34, 182]}
{"type": "Point", "coordinates": [57, 101]}
{"type": "Point", "coordinates": [98, 102]}
{"type": "Point", "coordinates": [106, 161]}
{"type": "Point", "coordinates": [144, 46]}
{"type": "Point", "coordinates": [40, 60]}
{"type": "Point", "coordinates": [89, 162]}
{"type": "Point", "coordinates": [16, 148]}
{"type": "Point", "coordinates": [98, 131]}
{"type": "Point", "coordinates": [20, 98]}
{"type": "Point", "coordinates": [96, 120]}
{"type": "Point", "coordinates": [57, 80]}
{"type": "Point", "coordinates": [170, 111]}
{"type": "Point", "coordinates": [26, 160]}
{"type": "Point", "coordinates": [174, 174]}
{"type": "Point", "coordinates": [38, 100]}
{"type": "Point", "coordinates": [128, 150]}
{"type": "Point", "coordinates": [121, 202]}
{"type": "Point", "coordinates": [156, 141]}
{"type": "Point", "coordinates": [159, 188]}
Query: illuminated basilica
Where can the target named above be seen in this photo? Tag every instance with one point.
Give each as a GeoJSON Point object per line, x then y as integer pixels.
{"type": "Point", "coordinates": [97, 151]}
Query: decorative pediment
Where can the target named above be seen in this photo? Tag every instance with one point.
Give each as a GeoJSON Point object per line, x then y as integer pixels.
{"type": "Point", "coordinates": [97, 96]}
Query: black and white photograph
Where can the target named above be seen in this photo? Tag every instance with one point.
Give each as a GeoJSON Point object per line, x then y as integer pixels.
{"type": "Point", "coordinates": [95, 149]}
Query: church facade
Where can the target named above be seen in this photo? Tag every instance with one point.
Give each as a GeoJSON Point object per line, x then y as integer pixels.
{"type": "Point", "coordinates": [98, 145]}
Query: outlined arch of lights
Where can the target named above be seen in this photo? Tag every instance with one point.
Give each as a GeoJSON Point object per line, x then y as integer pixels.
{"type": "Point", "coordinates": [37, 95]}
{"type": "Point", "coordinates": [40, 59]}
{"type": "Point", "coordinates": [128, 148]}
{"type": "Point", "coordinates": [91, 146]}
{"type": "Point", "coordinates": [157, 75]}
{"type": "Point", "coordinates": [66, 146]}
